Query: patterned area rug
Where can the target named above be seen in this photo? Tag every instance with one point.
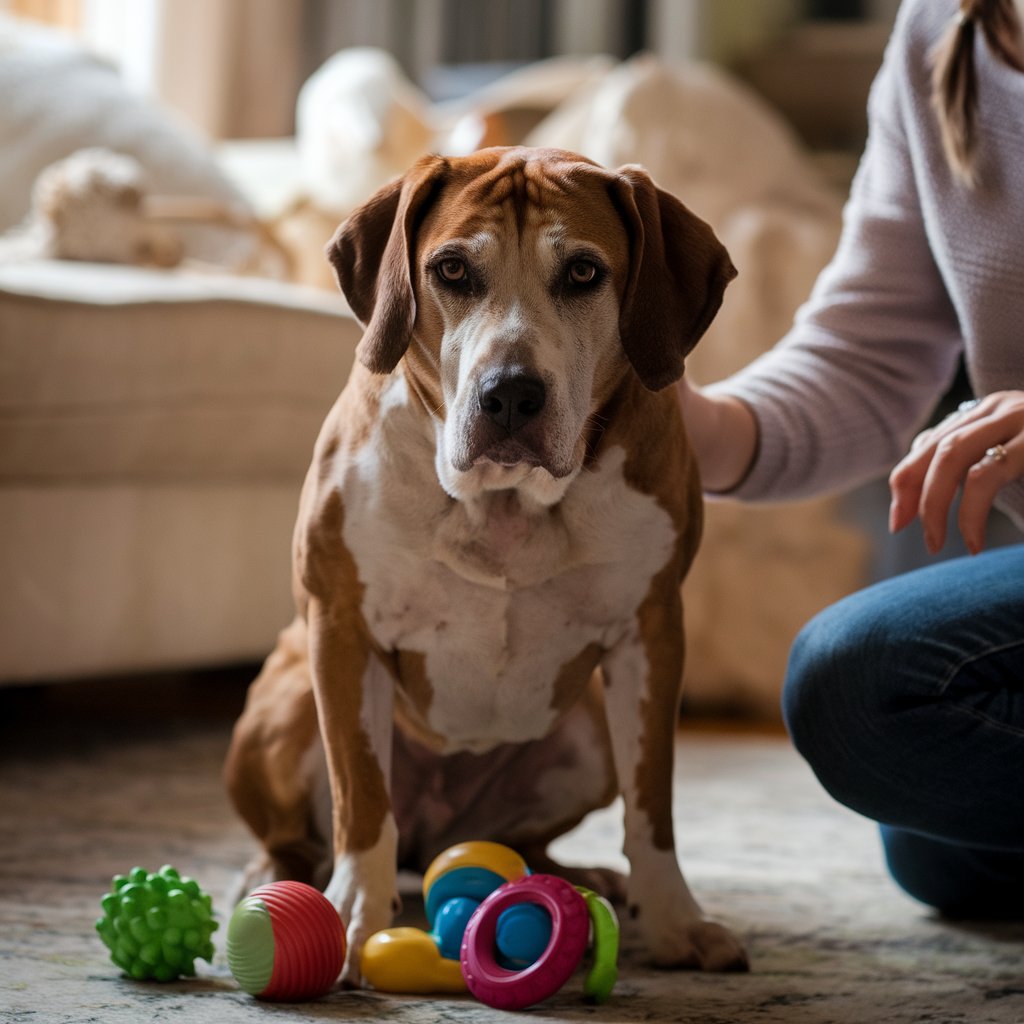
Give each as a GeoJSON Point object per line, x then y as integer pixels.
{"type": "Point", "coordinates": [85, 794]}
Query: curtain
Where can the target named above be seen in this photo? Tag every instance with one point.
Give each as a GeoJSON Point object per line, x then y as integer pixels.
{"type": "Point", "coordinates": [64, 14]}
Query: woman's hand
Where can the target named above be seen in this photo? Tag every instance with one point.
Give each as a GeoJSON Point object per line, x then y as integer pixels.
{"type": "Point", "coordinates": [978, 449]}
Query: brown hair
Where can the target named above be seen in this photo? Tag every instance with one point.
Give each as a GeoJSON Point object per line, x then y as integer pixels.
{"type": "Point", "coordinates": [954, 84]}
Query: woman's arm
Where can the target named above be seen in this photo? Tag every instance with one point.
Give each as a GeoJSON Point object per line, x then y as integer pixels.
{"type": "Point", "coordinates": [837, 400]}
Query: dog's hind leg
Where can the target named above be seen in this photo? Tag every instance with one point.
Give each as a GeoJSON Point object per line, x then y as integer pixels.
{"type": "Point", "coordinates": [275, 770]}
{"type": "Point", "coordinates": [606, 882]}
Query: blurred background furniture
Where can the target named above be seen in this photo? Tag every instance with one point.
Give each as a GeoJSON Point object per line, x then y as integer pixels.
{"type": "Point", "coordinates": [155, 433]}
{"type": "Point", "coordinates": [154, 424]}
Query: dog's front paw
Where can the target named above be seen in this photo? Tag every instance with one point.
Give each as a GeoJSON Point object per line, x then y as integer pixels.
{"type": "Point", "coordinates": [694, 944]}
{"type": "Point", "coordinates": [362, 890]}
{"type": "Point", "coordinates": [360, 928]}
{"type": "Point", "coordinates": [672, 925]}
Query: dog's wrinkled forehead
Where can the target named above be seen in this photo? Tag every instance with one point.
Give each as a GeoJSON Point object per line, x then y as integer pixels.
{"type": "Point", "coordinates": [519, 181]}
{"type": "Point", "coordinates": [514, 189]}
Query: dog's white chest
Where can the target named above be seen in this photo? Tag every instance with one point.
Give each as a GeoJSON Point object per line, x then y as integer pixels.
{"type": "Point", "coordinates": [498, 602]}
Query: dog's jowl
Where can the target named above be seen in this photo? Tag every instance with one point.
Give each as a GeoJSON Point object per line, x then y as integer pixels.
{"type": "Point", "coordinates": [500, 510]}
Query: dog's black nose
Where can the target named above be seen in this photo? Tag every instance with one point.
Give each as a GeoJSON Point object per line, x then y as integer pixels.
{"type": "Point", "coordinates": [511, 399]}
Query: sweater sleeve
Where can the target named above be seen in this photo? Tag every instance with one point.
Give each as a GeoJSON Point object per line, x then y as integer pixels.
{"type": "Point", "coordinates": [873, 349]}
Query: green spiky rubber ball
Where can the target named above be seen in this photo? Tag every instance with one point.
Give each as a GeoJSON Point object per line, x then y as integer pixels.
{"type": "Point", "coordinates": [156, 925]}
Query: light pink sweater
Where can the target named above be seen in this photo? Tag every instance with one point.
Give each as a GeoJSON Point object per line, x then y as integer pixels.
{"type": "Point", "coordinates": [925, 269]}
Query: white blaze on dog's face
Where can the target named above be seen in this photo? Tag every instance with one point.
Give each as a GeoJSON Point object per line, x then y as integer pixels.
{"type": "Point", "coordinates": [519, 279]}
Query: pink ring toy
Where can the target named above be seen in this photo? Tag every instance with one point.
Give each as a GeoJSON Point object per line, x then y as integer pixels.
{"type": "Point", "coordinates": [570, 928]}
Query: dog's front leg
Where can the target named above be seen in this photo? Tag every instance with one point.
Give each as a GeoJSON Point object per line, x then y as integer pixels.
{"type": "Point", "coordinates": [354, 696]}
{"type": "Point", "coordinates": [642, 679]}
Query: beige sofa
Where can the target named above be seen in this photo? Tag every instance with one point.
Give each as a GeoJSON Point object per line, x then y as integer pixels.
{"type": "Point", "coordinates": [155, 429]}
{"type": "Point", "coordinates": [154, 425]}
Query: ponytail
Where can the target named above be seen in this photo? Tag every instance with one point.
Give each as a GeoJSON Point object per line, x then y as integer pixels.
{"type": "Point", "coordinates": [954, 82]}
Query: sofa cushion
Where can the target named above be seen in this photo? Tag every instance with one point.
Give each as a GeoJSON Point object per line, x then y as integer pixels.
{"type": "Point", "coordinates": [103, 578]}
{"type": "Point", "coordinates": [123, 374]}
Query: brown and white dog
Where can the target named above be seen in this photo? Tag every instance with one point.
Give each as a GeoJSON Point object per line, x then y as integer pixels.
{"type": "Point", "coordinates": [490, 543]}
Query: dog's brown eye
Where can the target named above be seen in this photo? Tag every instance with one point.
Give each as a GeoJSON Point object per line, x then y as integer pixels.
{"type": "Point", "coordinates": [582, 272]}
{"type": "Point", "coordinates": [452, 269]}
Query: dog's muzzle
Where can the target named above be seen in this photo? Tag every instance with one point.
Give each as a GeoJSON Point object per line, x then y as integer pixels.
{"type": "Point", "coordinates": [507, 429]}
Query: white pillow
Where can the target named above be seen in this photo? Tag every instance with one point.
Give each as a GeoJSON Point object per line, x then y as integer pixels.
{"type": "Point", "coordinates": [56, 98]}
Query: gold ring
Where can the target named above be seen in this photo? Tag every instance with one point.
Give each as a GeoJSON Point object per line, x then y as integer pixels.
{"type": "Point", "coordinates": [997, 453]}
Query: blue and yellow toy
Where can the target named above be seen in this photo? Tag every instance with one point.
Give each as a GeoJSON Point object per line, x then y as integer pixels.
{"type": "Point", "coordinates": [510, 937]}
{"type": "Point", "coordinates": [456, 883]}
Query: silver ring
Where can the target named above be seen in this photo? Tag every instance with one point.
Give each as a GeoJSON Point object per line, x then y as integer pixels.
{"type": "Point", "coordinates": [997, 453]}
{"type": "Point", "coordinates": [963, 407]}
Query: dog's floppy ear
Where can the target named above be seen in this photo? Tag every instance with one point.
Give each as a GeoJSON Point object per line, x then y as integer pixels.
{"type": "Point", "coordinates": [372, 253]}
{"type": "Point", "coordinates": [677, 277]}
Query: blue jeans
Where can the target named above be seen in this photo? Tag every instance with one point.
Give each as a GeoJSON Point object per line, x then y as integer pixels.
{"type": "Point", "coordinates": [907, 700]}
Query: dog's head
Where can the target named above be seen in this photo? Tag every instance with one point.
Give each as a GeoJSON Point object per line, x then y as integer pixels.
{"type": "Point", "coordinates": [521, 285]}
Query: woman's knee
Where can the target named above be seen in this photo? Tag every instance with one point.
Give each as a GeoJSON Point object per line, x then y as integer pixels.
{"type": "Point", "coordinates": [833, 698]}
{"type": "Point", "coordinates": [875, 699]}
{"type": "Point", "coordinates": [825, 676]}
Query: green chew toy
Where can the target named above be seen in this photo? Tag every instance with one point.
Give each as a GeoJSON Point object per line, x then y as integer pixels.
{"type": "Point", "coordinates": [155, 925]}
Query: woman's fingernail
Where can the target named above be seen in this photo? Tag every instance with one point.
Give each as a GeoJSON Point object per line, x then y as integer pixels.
{"type": "Point", "coordinates": [894, 516]}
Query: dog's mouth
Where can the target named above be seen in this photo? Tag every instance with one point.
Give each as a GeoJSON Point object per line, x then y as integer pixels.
{"type": "Point", "coordinates": [508, 454]}
{"type": "Point", "coordinates": [514, 456]}
{"type": "Point", "coordinates": [522, 462]}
